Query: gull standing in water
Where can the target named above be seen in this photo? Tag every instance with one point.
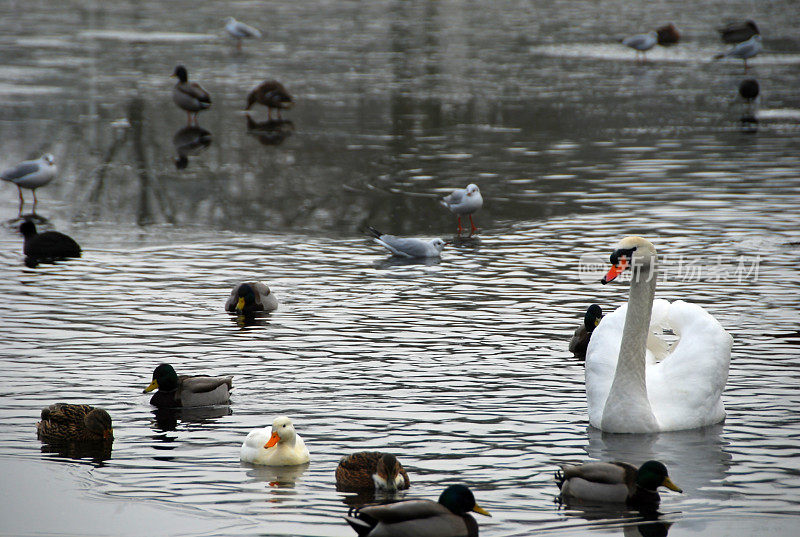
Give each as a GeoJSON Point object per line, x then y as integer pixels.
{"type": "Point", "coordinates": [31, 174]}
{"type": "Point", "coordinates": [408, 247]}
{"type": "Point", "coordinates": [464, 201]}
{"type": "Point", "coordinates": [239, 30]}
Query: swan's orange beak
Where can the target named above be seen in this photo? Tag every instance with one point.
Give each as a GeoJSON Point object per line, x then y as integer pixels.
{"type": "Point", "coordinates": [615, 270]}
{"type": "Point", "coordinates": [272, 440]}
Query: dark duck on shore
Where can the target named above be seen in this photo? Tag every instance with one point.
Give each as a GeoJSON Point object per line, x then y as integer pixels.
{"type": "Point", "coordinates": [46, 247]}
{"type": "Point", "coordinates": [68, 423]}
{"type": "Point", "coordinates": [738, 31]}
{"type": "Point", "coordinates": [187, 391]}
{"type": "Point", "coordinates": [616, 482]}
{"type": "Point", "coordinates": [371, 470]}
{"type": "Point", "coordinates": [583, 334]}
{"type": "Point", "coordinates": [449, 517]}
{"type": "Point", "coordinates": [271, 94]}
{"type": "Point", "coordinates": [189, 96]}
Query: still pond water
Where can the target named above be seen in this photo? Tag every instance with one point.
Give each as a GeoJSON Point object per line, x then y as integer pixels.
{"type": "Point", "coordinates": [458, 366]}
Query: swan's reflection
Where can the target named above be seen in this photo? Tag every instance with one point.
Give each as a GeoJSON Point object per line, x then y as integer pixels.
{"type": "Point", "coordinates": [190, 140]}
{"type": "Point", "coordinates": [276, 476]}
{"type": "Point", "coordinates": [696, 459]}
{"type": "Point", "coordinates": [270, 132]}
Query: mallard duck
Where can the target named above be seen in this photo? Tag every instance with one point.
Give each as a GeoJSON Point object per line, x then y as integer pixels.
{"type": "Point", "coordinates": [464, 201]}
{"type": "Point", "coordinates": [187, 391]}
{"type": "Point", "coordinates": [738, 31]}
{"type": "Point", "coordinates": [668, 35]}
{"type": "Point", "coordinates": [31, 174]}
{"type": "Point", "coordinates": [278, 446]}
{"type": "Point", "coordinates": [271, 94]}
{"type": "Point", "coordinates": [46, 247]}
{"type": "Point", "coordinates": [247, 298]}
{"type": "Point", "coordinates": [371, 470]}
{"type": "Point", "coordinates": [421, 518]}
{"type": "Point", "coordinates": [62, 423]}
{"type": "Point", "coordinates": [641, 43]}
{"type": "Point", "coordinates": [239, 30]}
{"type": "Point", "coordinates": [614, 482]}
{"type": "Point", "coordinates": [580, 340]}
{"type": "Point", "coordinates": [189, 96]}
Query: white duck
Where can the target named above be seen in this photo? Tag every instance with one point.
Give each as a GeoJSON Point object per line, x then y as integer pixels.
{"type": "Point", "coordinates": [280, 446]}
{"type": "Point", "coordinates": [635, 382]}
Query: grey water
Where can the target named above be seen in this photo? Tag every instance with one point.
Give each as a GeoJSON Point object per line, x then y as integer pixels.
{"type": "Point", "coordinates": [459, 366]}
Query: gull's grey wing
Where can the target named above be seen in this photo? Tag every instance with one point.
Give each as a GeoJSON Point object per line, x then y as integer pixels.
{"type": "Point", "coordinates": [456, 197]}
{"type": "Point", "coordinates": [404, 247]}
{"type": "Point", "coordinates": [19, 171]}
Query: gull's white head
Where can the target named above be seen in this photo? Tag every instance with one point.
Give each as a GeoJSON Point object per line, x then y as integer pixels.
{"type": "Point", "coordinates": [438, 244]}
{"type": "Point", "coordinates": [48, 158]}
{"type": "Point", "coordinates": [630, 252]}
{"type": "Point", "coordinates": [472, 189]}
{"type": "Point", "coordinates": [282, 432]}
{"type": "Point", "coordinates": [230, 20]}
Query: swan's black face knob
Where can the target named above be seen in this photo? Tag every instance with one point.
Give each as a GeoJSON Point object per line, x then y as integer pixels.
{"type": "Point", "coordinates": [620, 260]}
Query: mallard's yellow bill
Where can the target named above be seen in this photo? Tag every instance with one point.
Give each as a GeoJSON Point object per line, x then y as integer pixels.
{"type": "Point", "coordinates": [670, 485]}
{"type": "Point", "coordinates": [481, 510]}
{"type": "Point", "coordinates": [153, 386]}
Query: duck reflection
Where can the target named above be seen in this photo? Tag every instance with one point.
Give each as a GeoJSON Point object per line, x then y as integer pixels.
{"type": "Point", "coordinates": [95, 453]}
{"type": "Point", "coordinates": [372, 497]}
{"type": "Point", "coordinates": [277, 476]}
{"type": "Point", "coordinates": [247, 321]}
{"type": "Point", "coordinates": [190, 140]}
{"type": "Point", "coordinates": [696, 459]}
{"type": "Point", "coordinates": [633, 523]}
{"type": "Point", "coordinates": [166, 419]}
{"type": "Point", "coordinates": [270, 132]}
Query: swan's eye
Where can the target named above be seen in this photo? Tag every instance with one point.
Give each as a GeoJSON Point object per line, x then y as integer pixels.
{"type": "Point", "coordinates": [622, 253]}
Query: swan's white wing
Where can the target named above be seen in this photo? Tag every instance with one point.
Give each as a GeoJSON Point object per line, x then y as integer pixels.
{"type": "Point", "coordinates": [685, 388]}
{"type": "Point", "coordinates": [601, 362]}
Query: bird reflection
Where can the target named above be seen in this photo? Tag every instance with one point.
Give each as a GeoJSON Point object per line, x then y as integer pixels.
{"type": "Point", "coordinates": [395, 261]}
{"type": "Point", "coordinates": [270, 132]}
{"type": "Point", "coordinates": [372, 497]}
{"type": "Point", "coordinates": [96, 453]}
{"type": "Point", "coordinates": [37, 219]}
{"type": "Point", "coordinates": [277, 476]}
{"type": "Point", "coordinates": [166, 419]}
{"type": "Point", "coordinates": [634, 524]}
{"type": "Point", "coordinates": [696, 458]}
{"type": "Point", "coordinates": [244, 321]}
{"type": "Point", "coordinates": [190, 140]}
{"type": "Point", "coordinates": [749, 90]}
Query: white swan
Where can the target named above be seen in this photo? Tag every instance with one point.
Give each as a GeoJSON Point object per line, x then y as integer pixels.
{"type": "Point", "coordinates": [635, 381]}
{"type": "Point", "coordinates": [279, 446]}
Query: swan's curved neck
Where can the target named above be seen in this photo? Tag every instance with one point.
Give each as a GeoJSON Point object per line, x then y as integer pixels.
{"type": "Point", "coordinates": [627, 408]}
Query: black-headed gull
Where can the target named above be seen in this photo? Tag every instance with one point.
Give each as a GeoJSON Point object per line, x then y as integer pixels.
{"type": "Point", "coordinates": [239, 30]}
{"type": "Point", "coordinates": [464, 201]}
{"type": "Point", "coordinates": [408, 247]}
{"type": "Point", "coordinates": [189, 95]}
{"type": "Point", "coordinates": [31, 174]}
{"type": "Point", "coordinates": [641, 43]}
{"type": "Point", "coordinates": [744, 50]}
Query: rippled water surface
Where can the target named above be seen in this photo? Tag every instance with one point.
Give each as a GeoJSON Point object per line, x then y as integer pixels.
{"type": "Point", "coordinates": [459, 366]}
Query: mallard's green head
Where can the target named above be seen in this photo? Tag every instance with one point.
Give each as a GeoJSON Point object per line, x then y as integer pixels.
{"type": "Point", "coordinates": [592, 317]}
{"type": "Point", "coordinates": [164, 378]}
{"type": "Point", "coordinates": [652, 475]}
{"type": "Point", "coordinates": [98, 422]}
{"type": "Point", "coordinates": [246, 296]}
{"type": "Point", "coordinates": [460, 500]}
{"type": "Point", "coordinates": [181, 73]}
